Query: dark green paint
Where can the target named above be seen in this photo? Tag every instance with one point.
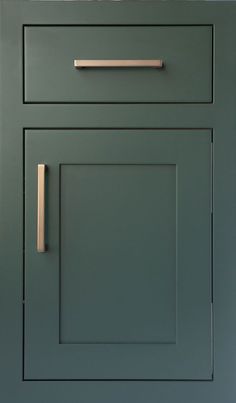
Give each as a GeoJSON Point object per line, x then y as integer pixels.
{"type": "Point", "coordinates": [135, 210]}
{"type": "Point", "coordinates": [51, 77]}
{"type": "Point", "coordinates": [218, 116]}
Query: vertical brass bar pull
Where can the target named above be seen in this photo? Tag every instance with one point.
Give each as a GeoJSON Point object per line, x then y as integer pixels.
{"type": "Point", "coordinates": [41, 209]}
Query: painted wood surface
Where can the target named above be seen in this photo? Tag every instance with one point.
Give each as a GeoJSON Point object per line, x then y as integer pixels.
{"type": "Point", "coordinates": [19, 120]}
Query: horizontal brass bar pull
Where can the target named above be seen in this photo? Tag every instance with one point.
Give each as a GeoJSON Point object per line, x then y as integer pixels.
{"type": "Point", "coordinates": [41, 209]}
{"type": "Point", "coordinates": [118, 63]}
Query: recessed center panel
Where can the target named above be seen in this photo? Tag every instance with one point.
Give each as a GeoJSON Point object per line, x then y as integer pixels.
{"type": "Point", "coordinates": [118, 254]}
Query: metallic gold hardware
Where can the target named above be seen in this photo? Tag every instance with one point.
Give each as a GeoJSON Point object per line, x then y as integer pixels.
{"type": "Point", "coordinates": [118, 63]}
{"type": "Point", "coordinates": [41, 209]}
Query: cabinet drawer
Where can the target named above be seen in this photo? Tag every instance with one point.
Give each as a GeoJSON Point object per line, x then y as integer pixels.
{"type": "Point", "coordinates": [50, 75]}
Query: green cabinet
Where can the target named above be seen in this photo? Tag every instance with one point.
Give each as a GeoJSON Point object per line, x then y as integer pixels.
{"type": "Point", "coordinates": [117, 202]}
{"type": "Point", "coordinates": [129, 293]}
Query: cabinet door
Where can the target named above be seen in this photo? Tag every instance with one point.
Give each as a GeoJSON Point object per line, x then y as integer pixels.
{"type": "Point", "coordinates": [123, 290]}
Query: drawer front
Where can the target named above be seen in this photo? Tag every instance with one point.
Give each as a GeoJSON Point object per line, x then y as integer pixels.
{"type": "Point", "coordinates": [50, 75]}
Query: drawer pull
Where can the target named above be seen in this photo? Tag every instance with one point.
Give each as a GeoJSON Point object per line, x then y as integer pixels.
{"type": "Point", "coordinates": [118, 63]}
{"type": "Point", "coordinates": [41, 209]}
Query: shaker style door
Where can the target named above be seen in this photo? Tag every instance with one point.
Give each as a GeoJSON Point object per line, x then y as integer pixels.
{"type": "Point", "coordinates": [123, 288]}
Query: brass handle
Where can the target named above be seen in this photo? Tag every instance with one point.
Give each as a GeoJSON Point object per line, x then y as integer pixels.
{"type": "Point", "coordinates": [118, 63]}
{"type": "Point", "coordinates": [41, 209]}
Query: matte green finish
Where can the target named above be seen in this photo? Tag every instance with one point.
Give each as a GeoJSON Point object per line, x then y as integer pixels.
{"type": "Point", "coordinates": [218, 116]}
{"type": "Point", "coordinates": [51, 77]}
{"type": "Point", "coordinates": [126, 293]}
{"type": "Point", "coordinates": [118, 254]}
